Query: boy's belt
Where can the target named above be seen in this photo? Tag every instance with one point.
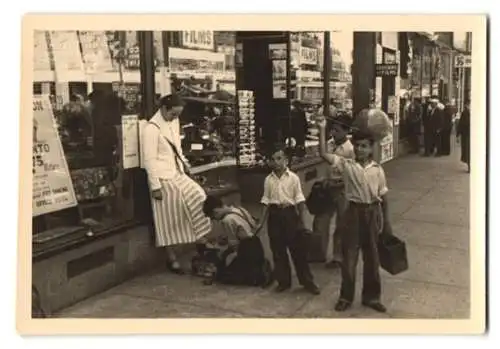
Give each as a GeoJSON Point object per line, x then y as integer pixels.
{"type": "Point", "coordinates": [281, 206]}
{"type": "Point", "coordinates": [363, 204]}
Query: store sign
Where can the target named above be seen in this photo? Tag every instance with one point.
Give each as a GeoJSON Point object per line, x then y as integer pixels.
{"type": "Point", "coordinates": [463, 61]}
{"type": "Point", "coordinates": [203, 39]}
{"type": "Point", "coordinates": [386, 152]}
{"type": "Point", "coordinates": [52, 186]}
{"type": "Point", "coordinates": [308, 56]}
{"type": "Point", "coordinates": [182, 60]}
{"type": "Point", "coordinates": [386, 70]}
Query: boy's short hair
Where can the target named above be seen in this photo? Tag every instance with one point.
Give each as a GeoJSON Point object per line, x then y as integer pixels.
{"type": "Point", "coordinates": [362, 135]}
{"type": "Point", "coordinates": [275, 148]}
{"type": "Point", "coordinates": [210, 204]}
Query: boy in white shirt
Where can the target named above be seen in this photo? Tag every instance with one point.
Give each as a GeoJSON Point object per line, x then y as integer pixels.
{"type": "Point", "coordinates": [284, 209]}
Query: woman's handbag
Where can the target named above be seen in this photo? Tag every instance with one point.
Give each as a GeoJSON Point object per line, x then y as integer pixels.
{"type": "Point", "coordinates": [392, 254]}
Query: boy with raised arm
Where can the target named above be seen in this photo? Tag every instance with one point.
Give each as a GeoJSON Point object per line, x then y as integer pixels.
{"type": "Point", "coordinates": [364, 219]}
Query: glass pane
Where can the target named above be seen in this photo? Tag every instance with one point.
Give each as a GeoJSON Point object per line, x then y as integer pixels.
{"type": "Point", "coordinates": [93, 92]}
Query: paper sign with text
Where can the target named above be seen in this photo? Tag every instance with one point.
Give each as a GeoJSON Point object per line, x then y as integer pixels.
{"type": "Point", "coordinates": [52, 186]}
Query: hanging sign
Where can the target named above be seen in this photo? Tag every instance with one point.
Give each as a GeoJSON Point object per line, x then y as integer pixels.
{"type": "Point", "coordinates": [202, 39]}
{"type": "Point", "coordinates": [386, 70]}
{"type": "Point", "coordinates": [463, 61]}
{"type": "Point", "coordinates": [52, 186]}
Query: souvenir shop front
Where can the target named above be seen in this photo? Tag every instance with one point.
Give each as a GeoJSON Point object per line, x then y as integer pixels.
{"type": "Point", "coordinates": [92, 225]}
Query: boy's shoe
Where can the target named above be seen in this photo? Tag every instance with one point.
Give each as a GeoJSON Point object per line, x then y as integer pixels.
{"type": "Point", "coordinates": [313, 289]}
{"type": "Point", "coordinates": [282, 288]}
{"type": "Point", "coordinates": [342, 305]}
{"type": "Point", "coordinates": [377, 306]}
{"type": "Point", "coordinates": [333, 265]}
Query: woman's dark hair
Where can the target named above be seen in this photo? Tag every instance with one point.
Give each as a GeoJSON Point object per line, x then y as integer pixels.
{"type": "Point", "coordinates": [210, 204]}
{"type": "Point", "coordinates": [171, 101]}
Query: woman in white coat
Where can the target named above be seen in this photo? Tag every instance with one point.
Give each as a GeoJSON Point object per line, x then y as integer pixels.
{"type": "Point", "coordinates": [177, 199]}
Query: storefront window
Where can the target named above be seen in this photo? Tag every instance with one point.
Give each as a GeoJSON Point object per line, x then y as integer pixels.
{"type": "Point", "coordinates": [84, 144]}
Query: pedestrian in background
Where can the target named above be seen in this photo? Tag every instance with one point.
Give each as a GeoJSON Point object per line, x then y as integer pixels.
{"type": "Point", "coordinates": [334, 183]}
{"type": "Point", "coordinates": [177, 199]}
{"type": "Point", "coordinates": [365, 218]}
{"type": "Point", "coordinates": [285, 213]}
{"type": "Point", "coordinates": [414, 122]}
{"type": "Point", "coordinates": [463, 134]}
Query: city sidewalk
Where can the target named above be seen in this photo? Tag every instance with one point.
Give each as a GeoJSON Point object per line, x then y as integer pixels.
{"type": "Point", "coordinates": [429, 203]}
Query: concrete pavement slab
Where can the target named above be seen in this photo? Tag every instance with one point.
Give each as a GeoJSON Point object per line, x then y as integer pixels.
{"type": "Point", "coordinates": [438, 213]}
{"type": "Point", "coordinates": [432, 234]}
{"type": "Point", "coordinates": [111, 305]}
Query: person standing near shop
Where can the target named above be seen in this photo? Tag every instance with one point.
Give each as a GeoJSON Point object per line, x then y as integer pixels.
{"type": "Point", "coordinates": [365, 218]}
{"type": "Point", "coordinates": [284, 210]}
{"type": "Point", "coordinates": [445, 137]}
{"type": "Point", "coordinates": [335, 184]}
{"type": "Point", "coordinates": [414, 122]}
{"type": "Point", "coordinates": [463, 134]}
{"type": "Point", "coordinates": [177, 199]}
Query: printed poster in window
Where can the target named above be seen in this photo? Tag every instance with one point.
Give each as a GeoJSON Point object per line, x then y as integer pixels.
{"type": "Point", "coordinates": [130, 141]}
{"type": "Point", "coordinates": [277, 51]}
{"type": "Point", "coordinates": [67, 56]}
{"type": "Point", "coordinates": [393, 108]}
{"type": "Point", "coordinates": [386, 152]}
{"type": "Point", "coordinates": [95, 51]}
{"type": "Point", "coordinates": [52, 186]}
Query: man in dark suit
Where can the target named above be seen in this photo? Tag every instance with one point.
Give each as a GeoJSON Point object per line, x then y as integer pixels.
{"type": "Point", "coordinates": [436, 120]}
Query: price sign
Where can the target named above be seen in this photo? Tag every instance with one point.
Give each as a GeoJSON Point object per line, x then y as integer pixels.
{"type": "Point", "coordinates": [52, 186]}
{"type": "Point", "coordinates": [463, 61]}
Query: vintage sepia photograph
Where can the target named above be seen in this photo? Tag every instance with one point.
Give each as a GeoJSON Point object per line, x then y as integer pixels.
{"type": "Point", "coordinates": [253, 174]}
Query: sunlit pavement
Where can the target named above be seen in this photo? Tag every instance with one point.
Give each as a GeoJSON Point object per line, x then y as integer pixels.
{"type": "Point", "coordinates": [429, 203]}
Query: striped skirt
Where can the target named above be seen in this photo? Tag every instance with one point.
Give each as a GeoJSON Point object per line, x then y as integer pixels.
{"type": "Point", "coordinates": [179, 217]}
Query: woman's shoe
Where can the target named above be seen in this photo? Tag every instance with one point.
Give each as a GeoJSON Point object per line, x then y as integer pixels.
{"type": "Point", "coordinates": [175, 268]}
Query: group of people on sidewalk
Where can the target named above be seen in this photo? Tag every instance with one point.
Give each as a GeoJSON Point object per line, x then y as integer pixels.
{"type": "Point", "coordinates": [437, 120]}
{"type": "Point", "coordinates": [183, 212]}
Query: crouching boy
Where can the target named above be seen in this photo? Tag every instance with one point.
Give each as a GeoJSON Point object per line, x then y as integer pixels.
{"type": "Point", "coordinates": [249, 265]}
{"type": "Point", "coordinates": [365, 218]}
{"type": "Point", "coordinates": [284, 209]}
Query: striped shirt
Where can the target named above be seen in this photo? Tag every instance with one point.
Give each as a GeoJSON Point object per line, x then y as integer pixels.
{"type": "Point", "coordinates": [362, 184]}
{"type": "Point", "coordinates": [284, 190]}
{"type": "Point", "coordinates": [238, 223]}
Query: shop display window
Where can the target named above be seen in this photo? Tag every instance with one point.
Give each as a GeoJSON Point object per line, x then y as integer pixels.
{"type": "Point", "coordinates": [88, 122]}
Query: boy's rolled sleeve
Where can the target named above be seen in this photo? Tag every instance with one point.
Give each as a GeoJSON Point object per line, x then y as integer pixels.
{"type": "Point", "coordinates": [299, 194]}
{"type": "Point", "coordinates": [383, 189]}
{"type": "Point", "coordinates": [266, 197]}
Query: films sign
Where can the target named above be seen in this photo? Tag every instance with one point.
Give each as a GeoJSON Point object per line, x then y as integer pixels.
{"type": "Point", "coordinates": [202, 39]}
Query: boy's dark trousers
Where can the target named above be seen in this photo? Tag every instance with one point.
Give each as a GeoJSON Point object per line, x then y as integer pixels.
{"type": "Point", "coordinates": [285, 233]}
{"type": "Point", "coordinates": [361, 229]}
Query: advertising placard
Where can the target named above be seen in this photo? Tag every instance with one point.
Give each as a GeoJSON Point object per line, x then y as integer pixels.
{"type": "Point", "coordinates": [67, 57]}
{"type": "Point", "coordinates": [386, 69]}
{"type": "Point", "coordinates": [308, 55]}
{"type": "Point", "coordinates": [130, 141]}
{"type": "Point", "coordinates": [95, 51]}
{"type": "Point", "coordinates": [52, 186]}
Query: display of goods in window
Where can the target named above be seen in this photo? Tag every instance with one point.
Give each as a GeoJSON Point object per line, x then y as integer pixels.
{"type": "Point", "coordinates": [375, 122]}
